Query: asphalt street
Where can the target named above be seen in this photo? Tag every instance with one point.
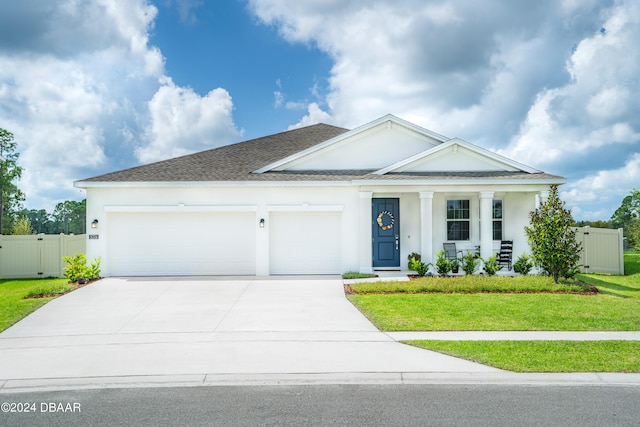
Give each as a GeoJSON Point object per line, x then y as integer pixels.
{"type": "Point", "coordinates": [325, 405]}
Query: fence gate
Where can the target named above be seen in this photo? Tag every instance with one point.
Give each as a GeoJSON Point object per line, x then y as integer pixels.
{"type": "Point", "coordinates": [601, 250]}
{"type": "Point", "coordinates": [40, 255]}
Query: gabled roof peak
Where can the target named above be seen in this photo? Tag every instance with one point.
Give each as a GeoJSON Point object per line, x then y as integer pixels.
{"type": "Point", "coordinates": [389, 120]}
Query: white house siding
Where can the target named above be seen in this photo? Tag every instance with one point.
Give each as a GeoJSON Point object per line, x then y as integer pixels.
{"type": "Point", "coordinates": [169, 209]}
{"type": "Point", "coordinates": [257, 251]}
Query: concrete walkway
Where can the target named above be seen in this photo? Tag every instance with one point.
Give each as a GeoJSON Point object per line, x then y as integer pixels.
{"type": "Point", "coordinates": [208, 331]}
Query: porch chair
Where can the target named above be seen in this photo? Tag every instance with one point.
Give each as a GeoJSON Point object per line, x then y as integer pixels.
{"type": "Point", "coordinates": [505, 254]}
{"type": "Point", "coordinates": [450, 251]}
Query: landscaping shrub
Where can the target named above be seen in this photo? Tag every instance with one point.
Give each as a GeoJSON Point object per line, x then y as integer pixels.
{"type": "Point", "coordinates": [410, 257]}
{"type": "Point", "coordinates": [77, 268]}
{"type": "Point", "coordinates": [469, 263]}
{"type": "Point", "coordinates": [419, 267]}
{"type": "Point", "coordinates": [491, 266]}
{"type": "Point", "coordinates": [523, 264]}
{"type": "Point", "coordinates": [92, 271]}
{"type": "Point", "coordinates": [443, 266]}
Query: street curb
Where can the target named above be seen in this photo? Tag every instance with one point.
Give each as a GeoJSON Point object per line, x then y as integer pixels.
{"type": "Point", "coordinates": [330, 378]}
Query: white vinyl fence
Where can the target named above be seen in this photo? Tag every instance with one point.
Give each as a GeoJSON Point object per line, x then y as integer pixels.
{"type": "Point", "coordinates": [601, 250]}
{"type": "Point", "coordinates": [37, 255]}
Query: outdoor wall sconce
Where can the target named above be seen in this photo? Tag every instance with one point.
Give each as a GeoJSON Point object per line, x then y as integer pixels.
{"type": "Point", "coordinates": [94, 224]}
{"type": "Point", "coordinates": [261, 222]}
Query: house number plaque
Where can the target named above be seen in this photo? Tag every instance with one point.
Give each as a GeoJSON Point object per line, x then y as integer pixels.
{"type": "Point", "coordinates": [94, 236]}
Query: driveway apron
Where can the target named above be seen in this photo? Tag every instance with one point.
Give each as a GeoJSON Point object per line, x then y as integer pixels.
{"type": "Point", "coordinates": [181, 326]}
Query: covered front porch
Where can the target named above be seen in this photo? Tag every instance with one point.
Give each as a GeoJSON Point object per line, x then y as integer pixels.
{"type": "Point", "coordinates": [476, 220]}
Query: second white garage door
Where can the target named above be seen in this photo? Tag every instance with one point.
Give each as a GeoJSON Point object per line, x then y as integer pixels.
{"type": "Point", "coordinates": [305, 242]}
{"type": "Point", "coordinates": [190, 243]}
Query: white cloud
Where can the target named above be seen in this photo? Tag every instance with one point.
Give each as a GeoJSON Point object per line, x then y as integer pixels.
{"type": "Point", "coordinates": [81, 88]}
{"type": "Point", "coordinates": [314, 115]}
{"type": "Point", "coordinates": [183, 122]}
{"type": "Point", "coordinates": [605, 186]}
{"type": "Point", "coordinates": [595, 110]}
{"type": "Point", "coordinates": [550, 86]}
{"type": "Point", "coordinates": [458, 67]}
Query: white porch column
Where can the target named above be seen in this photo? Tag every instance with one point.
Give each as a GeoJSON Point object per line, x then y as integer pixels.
{"type": "Point", "coordinates": [364, 222]}
{"type": "Point", "coordinates": [542, 197]}
{"type": "Point", "coordinates": [486, 224]}
{"type": "Point", "coordinates": [426, 226]}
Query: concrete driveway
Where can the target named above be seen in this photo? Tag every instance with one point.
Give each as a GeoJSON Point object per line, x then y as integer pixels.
{"type": "Point", "coordinates": [184, 330]}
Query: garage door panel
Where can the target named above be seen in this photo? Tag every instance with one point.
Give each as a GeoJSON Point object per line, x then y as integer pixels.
{"type": "Point", "coordinates": [181, 243]}
{"type": "Point", "coordinates": [305, 242]}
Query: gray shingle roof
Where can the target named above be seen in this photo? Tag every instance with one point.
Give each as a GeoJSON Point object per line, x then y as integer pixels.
{"type": "Point", "coordinates": [236, 162]}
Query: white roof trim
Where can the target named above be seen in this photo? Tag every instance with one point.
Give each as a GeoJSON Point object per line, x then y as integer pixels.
{"type": "Point", "coordinates": [457, 141]}
{"type": "Point", "coordinates": [388, 118]}
{"type": "Point", "coordinates": [208, 184]}
{"type": "Point", "coordinates": [458, 182]}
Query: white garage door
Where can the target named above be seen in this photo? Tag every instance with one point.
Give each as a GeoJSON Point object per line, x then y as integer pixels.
{"type": "Point", "coordinates": [305, 242]}
{"type": "Point", "coordinates": [203, 243]}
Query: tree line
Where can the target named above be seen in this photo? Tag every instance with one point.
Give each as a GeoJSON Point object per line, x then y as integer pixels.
{"type": "Point", "coordinates": [68, 217]}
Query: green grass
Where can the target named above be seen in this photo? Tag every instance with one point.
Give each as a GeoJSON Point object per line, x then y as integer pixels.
{"type": "Point", "coordinates": [357, 275]}
{"type": "Point", "coordinates": [14, 304]}
{"type": "Point", "coordinates": [473, 284]}
{"type": "Point", "coordinates": [616, 308]}
{"type": "Point", "coordinates": [545, 356]}
{"type": "Point", "coordinates": [499, 312]}
{"type": "Point", "coordinates": [50, 290]}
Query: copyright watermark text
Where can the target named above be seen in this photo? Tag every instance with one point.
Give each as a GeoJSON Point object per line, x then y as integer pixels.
{"type": "Point", "coordinates": [40, 407]}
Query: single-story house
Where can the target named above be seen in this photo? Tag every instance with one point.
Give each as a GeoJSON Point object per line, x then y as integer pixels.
{"type": "Point", "coordinates": [314, 200]}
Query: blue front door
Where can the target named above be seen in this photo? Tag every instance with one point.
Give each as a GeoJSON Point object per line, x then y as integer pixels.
{"type": "Point", "coordinates": [386, 232]}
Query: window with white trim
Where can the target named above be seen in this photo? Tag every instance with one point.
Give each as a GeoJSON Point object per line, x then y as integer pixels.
{"type": "Point", "coordinates": [497, 219]}
{"type": "Point", "coordinates": [458, 220]}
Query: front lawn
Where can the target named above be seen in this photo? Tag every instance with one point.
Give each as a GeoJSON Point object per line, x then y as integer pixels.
{"type": "Point", "coordinates": [14, 304]}
{"type": "Point", "coordinates": [615, 308]}
{"type": "Point", "coordinates": [545, 356]}
{"type": "Point", "coordinates": [499, 312]}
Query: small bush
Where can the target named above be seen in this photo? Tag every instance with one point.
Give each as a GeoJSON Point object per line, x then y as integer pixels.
{"type": "Point", "coordinates": [92, 271]}
{"type": "Point", "coordinates": [491, 266]}
{"type": "Point", "coordinates": [412, 255]}
{"type": "Point", "coordinates": [443, 266]}
{"type": "Point", "coordinates": [419, 267]}
{"type": "Point", "coordinates": [75, 268]}
{"type": "Point", "coordinates": [523, 264]}
{"type": "Point", "coordinates": [469, 263]}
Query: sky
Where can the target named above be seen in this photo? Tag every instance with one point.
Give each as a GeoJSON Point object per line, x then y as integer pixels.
{"type": "Point", "coordinates": [93, 86]}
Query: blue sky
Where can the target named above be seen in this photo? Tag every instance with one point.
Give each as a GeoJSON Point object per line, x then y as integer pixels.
{"type": "Point", "coordinates": [230, 48]}
{"type": "Point", "coordinates": [93, 86]}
